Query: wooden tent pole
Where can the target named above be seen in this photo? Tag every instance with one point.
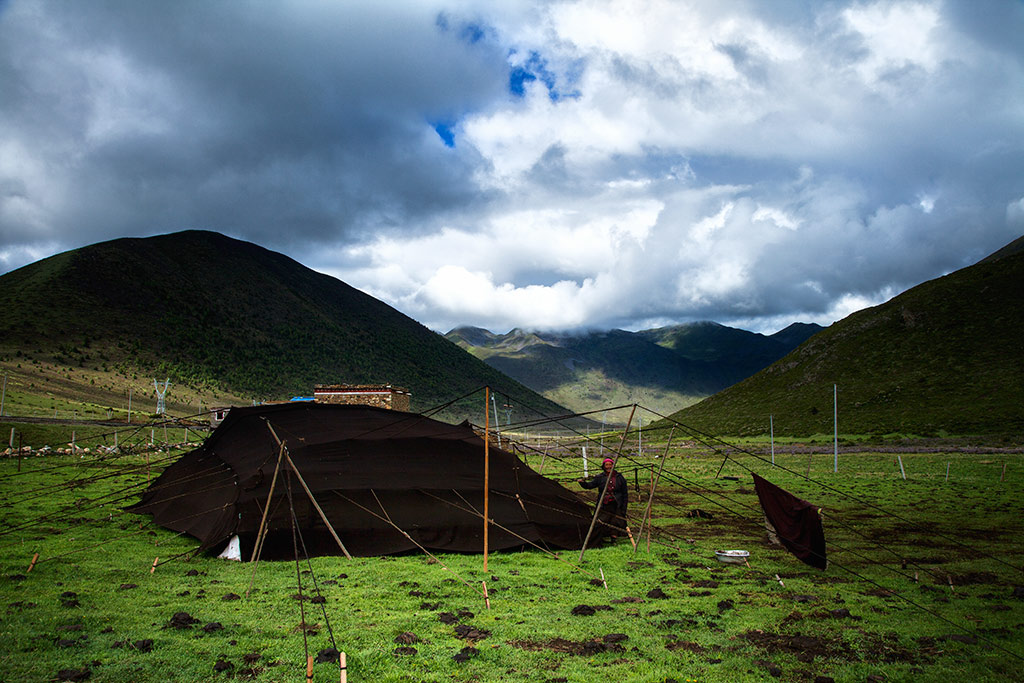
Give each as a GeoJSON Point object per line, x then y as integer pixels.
{"type": "Point", "coordinates": [261, 533]}
{"type": "Point", "coordinates": [316, 505]}
{"type": "Point", "coordinates": [284, 452]}
{"type": "Point", "coordinates": [487, 470]}
{"type": "Point", "coordinates": [654, 485]}
{"type": "Point", "coordinates": [600, 498]}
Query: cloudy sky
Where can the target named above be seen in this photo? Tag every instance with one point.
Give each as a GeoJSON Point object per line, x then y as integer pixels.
{"type": "Point", "coordinates": [546, 165]}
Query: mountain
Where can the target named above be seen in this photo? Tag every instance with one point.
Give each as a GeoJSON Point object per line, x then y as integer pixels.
{"type": "Point", "coordinates": [946, 357]}
{"type": "Point", "coordinates": [206, 309]}
{"type": "Point", "coordinates": [661, 369]}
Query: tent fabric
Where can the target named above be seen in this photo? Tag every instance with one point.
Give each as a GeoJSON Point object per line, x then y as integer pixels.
{"type": "Point", "coordinates": [364, 466]}
{"type": "Point", "coordinates": [796, 522]}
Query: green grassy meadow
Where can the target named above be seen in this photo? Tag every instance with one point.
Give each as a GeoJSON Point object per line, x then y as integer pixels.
{"type": "Point", "coordinates": [91, 607]}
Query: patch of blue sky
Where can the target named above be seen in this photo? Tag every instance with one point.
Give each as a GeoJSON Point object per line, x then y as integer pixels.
{"type": "Point", "coordinates": [517, 80]}
{"type": "Point", "coordinates": [472, 33]}
{"type": "Point", "coordinates": [536, 68]}
{"type": "Point", "coordinates": [469, 31]}
{"type": "Point", "coordinates": [446, 131]}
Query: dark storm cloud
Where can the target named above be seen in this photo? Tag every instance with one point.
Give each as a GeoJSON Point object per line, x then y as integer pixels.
{"type": "Point", "coordinates": [281, 122]}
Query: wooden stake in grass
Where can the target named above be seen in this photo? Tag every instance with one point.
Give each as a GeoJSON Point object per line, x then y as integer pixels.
{"type": "Point", "coordinates": [153, 568]}
{"type": "Point", "coordinates": [902, 471]}
{"type": "Point", "coordinates": [631, 540]}
{"type": "Point", "coordinates": [1003, 473]}
{"type": "Point", "coordinates": [344, 668]}
{"type": "Point", "coordinates": [35, 558]}
{"type": "Point", "coordinates": [603, 579]}
{"type": "Point", "coordinates": [309, 667]}
{"type": "Point", "coordinates": [779, 579]}
{"type": "Point", "coordinates": [947, 470]}
{"type": "Point", "coordinates": [487, 598]}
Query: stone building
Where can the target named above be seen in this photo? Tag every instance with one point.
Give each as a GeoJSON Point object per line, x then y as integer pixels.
{"type": "Point", "coordinates": [379, 395]}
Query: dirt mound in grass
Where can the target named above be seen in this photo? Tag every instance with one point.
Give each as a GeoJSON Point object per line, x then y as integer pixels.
{"type": "Point", "coordinates": [808, 647]}
{"type": "Point", "coordinates": [609, 643]}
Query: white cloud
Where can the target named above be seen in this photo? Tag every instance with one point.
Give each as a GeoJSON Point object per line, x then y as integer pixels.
{"type": "Point", "coordinates": [776, 216]}
{"type": "Point", "coordinates": [669, 160]}
{"type": "Point", "coordinates": [897, 35]}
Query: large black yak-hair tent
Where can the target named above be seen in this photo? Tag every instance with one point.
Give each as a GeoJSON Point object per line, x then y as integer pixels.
{"type": "Point", "coordinates": [374, 473]}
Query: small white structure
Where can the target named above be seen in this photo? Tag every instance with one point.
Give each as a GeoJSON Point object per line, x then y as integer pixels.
{"type": "Point", "coordinates": [233, 551]}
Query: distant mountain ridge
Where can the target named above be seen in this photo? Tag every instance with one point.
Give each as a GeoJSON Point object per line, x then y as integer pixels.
{"type": "Point", "coordinates": [661, 368]}
{"type": "Point", "coordinates": [943, 358]}
{"type": "Point", "coordinates": [201, 307]}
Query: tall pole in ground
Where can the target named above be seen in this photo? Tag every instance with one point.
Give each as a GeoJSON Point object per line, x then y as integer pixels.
{"type": "Point", "coordinates": [3, 396]}
{"type": "Point", "coordinates": [835, 427]}
{"type": "Point", "coordinates": [603, 416]}
{"type": "Point", "coordinates": [771, 426]}
{"type": "Point", "coordinates": [487, 467]}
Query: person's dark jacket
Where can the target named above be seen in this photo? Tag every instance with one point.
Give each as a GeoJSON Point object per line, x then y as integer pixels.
{"type": "Point", "coordinates": [621, 491]}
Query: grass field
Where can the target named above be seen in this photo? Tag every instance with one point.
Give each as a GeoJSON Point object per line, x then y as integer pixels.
{"type": "Point", "coordinates": [924, 584]}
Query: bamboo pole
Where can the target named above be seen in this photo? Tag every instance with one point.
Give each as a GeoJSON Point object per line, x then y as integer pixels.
{"type": "Point", "coordinates": [600, 498]}
{"type": "Point", "coordinates": [487, 598]}
{"type": "Point", "coordinates": [35, 558]}
{"type": "Point", "coordinates": [487, 470]}
{"type": "Point", "coordinates": [153, 568]}
{"type": "Point", "coordinates": [344, 668]}
{"type": "Point", "coordinates": [309, 666]}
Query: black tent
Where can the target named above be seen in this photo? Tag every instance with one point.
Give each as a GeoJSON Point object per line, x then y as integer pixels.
{"type": "Point", "coordinates": [369, 470]}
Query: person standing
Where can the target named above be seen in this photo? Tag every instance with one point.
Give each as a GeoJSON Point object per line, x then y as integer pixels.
{"type": "Point", "coordinates": [616, 497]}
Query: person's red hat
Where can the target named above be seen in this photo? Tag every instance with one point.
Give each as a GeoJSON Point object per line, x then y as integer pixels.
{"type": "Point", "coordinates": [608, 460]}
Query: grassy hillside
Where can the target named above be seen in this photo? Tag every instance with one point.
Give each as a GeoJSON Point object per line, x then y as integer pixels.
{"type": "Point", "coordinates": [663, 369]}
{"type": "Point", "coordinates": [218, 314]}
{"type": "Point", "coordinates": [946, 357]}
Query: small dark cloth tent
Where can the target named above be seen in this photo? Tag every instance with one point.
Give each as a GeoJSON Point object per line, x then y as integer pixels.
{"type": "Point", "coordinates": [796, 522]}
{"type": "Point", "coordinates": [364, 466]}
